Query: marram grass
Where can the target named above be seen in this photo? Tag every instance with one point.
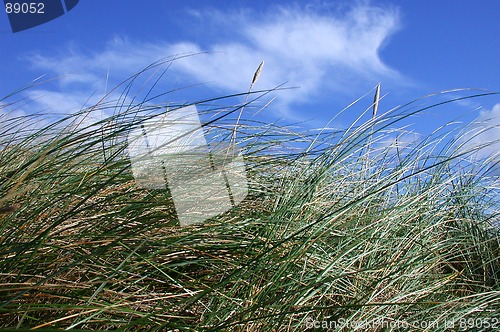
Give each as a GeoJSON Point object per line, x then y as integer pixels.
{"type": "Point", "coordinates": [337, 229]}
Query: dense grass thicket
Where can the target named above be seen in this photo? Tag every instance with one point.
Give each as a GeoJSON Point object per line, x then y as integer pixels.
{"type": "Point", "coordinates": [339, 227]}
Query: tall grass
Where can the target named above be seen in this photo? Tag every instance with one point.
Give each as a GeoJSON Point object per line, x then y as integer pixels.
{"type": "Point", "coordinates": [339, 228]}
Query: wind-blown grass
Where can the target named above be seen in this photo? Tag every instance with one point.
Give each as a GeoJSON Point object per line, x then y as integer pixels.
{"type": "Point", "coordinates": [337, 228]}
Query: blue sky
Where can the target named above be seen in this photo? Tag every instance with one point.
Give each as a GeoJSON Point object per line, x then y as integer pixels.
{"type": "Point", "coordinates": [334, 51]}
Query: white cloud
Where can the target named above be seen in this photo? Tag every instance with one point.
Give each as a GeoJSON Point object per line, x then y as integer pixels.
{"type": "Point", "coordinates": [353, 40]}
{"type": "Point", "coordinates": [319, 52]}
{"type": "Point", "coordinates": [397, 141]}
{"type": "Point", "coordinates": [485, 133]}
{"type": "Point", "coordinates": [15, 123]}
{"type": "Point", "coordinates": [60, 103]}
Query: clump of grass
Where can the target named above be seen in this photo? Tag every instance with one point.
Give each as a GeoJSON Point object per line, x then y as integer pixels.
{"type": "Point", "coordinates": [325, 234]}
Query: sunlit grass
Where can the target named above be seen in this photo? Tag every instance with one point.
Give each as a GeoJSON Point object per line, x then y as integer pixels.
{"type": "Point", "coordinates": [338, 226]}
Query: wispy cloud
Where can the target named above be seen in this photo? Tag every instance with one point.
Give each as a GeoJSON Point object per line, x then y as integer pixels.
{"type": "Point", "coordinates": [485, 133]}
{"type": "Point", "coordinates": [318, 51]}
{"type": "Point", "coordinates": [61, 103]}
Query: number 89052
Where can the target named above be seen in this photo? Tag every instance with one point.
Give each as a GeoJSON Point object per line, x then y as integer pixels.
{"type": "Point", "coordinates": [25, 8]}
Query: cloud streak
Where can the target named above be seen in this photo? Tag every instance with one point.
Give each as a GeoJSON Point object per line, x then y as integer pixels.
{"type": "Point", "coordinates": [485, 133]}
{"type": "Point", "coordinates": [315, 51]}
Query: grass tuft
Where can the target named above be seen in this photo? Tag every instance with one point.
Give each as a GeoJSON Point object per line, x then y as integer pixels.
{"type": "Point", "coordinates": [338, 227]}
